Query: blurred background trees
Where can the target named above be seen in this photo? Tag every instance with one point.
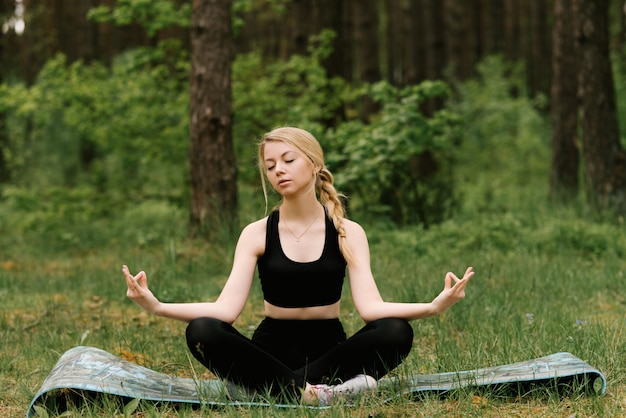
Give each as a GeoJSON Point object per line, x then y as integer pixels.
{"type": "Point", "coordinates": [100, 98]}
{"type": "Point", "coordinates": [213, 173]}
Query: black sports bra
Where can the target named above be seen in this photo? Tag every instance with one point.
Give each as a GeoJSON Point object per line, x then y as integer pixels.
{"type": "Point", "coordinates": [291, 284]}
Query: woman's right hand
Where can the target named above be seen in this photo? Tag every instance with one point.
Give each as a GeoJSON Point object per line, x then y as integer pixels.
{"type": "Point", "coordinates": [139, 292]}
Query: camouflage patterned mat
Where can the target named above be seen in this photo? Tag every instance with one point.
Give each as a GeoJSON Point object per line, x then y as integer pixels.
{"type": "Point", "coordinates": [84, 372]}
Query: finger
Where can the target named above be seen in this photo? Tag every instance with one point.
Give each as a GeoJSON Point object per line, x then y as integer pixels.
{"type": "Point", "coordinates": [448, 280]}
{"type": "Point", "coordinates": [127, 272]}
{"type": "Point", "coordinates": [130, 280]}
{"type": "Point", "coordinates": [460, 287]}
{"type": "Point", "coordinates": [455, 278]}
{"type": "Point", "coordinates": [142, 279]}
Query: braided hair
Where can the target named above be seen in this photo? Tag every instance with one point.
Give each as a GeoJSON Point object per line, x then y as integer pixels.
{"type": "Point", "coordinates": [306, 143]}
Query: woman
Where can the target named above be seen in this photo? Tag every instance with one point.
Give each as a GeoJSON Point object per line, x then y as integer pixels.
{"type": "Point", "coordinates": [301, 251]}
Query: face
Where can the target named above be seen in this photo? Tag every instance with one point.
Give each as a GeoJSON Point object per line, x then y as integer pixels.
{"type": "Point", "coordinates": [288, 170]}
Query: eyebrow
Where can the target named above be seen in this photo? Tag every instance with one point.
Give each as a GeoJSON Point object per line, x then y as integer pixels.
{"type": "Point", "coordinates": [282, 155]}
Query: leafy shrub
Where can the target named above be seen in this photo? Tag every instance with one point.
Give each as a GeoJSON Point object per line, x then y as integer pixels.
{"type": "Point", "coordinates": [505, 155]}
{"type": "Point", "coordinates": [399, 164]}
{"type": "Point", "coordinates": [396, 165]}
{"type": "Point", "coordinates": [295, 92]}
{"type": "Point", "coordinates": [122, 130]}
{"type": "Point", "coordinates": [153, 15]}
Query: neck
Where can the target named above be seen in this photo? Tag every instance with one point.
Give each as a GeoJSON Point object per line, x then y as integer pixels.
{"type": "Point", "coordinates": [300, 209]}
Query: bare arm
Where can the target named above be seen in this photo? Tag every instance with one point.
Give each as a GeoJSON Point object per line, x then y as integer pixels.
{"type": "Point", "coordinates": [233, 297]}
{"type": "Point", "coordinates": [366, 295]}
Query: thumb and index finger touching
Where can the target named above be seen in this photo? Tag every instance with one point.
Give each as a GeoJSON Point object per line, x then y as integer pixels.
{"type": "Point", "coordinates": [452, 280]}
{"type": "Point", "coordinates": [139, 279]}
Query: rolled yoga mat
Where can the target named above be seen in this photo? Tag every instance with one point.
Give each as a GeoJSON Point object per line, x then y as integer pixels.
{"type": "Point", "coordinates": [84, 372]}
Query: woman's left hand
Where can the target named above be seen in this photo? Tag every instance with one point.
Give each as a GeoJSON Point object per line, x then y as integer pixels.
{"type": "Point", "coordinates": [453, 291]}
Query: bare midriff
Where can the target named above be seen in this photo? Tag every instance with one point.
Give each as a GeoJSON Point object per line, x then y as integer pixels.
{"type": "Point", "coordinates": [308, 313]}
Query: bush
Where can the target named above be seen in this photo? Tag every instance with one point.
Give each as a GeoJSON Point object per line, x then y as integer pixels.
{"type": "Point", "coordinates": [295, 92]}
{"type": "Point", "coordinates": [122, 131]}
{"type": "Point", "coordinates": [399, 165]}
{"type": "Point", "coordinates": [505, 136]}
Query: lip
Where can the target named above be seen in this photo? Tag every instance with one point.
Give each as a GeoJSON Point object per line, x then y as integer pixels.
{"type": "Point", "coordinates": [283, 182]}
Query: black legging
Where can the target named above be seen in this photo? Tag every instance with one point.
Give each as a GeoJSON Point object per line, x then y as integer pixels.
{"type": "Point", "coordinates": [265, 361]}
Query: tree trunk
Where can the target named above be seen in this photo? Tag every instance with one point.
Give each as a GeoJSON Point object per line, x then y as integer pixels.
{"type": "Point", "coordinates": [39, 41]}
{"type": "Point", "coordinates": [435, 45]}
{"type": "Point", "coordinates": [262, 31]}
{"type": "Point", "coordinates": [366, 50]}
{"type": "Point", "coordinates": [491, 26]}
{"type": "Point", "coordinates": [564, 108]}
{"type": "Point", "coordinates": [435, 40]}
{"type": "Point", "coordinates": [412, 42]}
{"type": "Point", "coordinates": [212, 164]}
{"type": "Point", "coordinates": [538, 49]}
{"type": "Point", "coordinates": [512, 30]}
{"type": "Point", "coordinates": [301, 22]}
{"type": "Point", "coordinates": [336, 16]}
{"type": "Point", "coordinates": [395, 65]}
{"type": "Point", "coordinates": [617, 16]}
{"type": "Point", "coordinates": [75, 33]}
{"type": "Point", "coordinates": [604, 159]}
{"type": "Point", "coordinates": [461, 36]}
{"type": "Point", "coordinates": [366, 40]}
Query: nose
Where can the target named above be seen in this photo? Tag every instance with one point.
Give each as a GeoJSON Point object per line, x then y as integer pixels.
{"type": "Point", "coordinates": [280, 168]}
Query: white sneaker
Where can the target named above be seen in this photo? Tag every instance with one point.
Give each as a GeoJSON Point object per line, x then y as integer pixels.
{"type": "Point", "coordinates": [347, 390]}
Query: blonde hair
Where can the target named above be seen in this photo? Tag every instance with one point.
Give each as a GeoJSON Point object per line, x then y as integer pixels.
{"type": "Point", "coordinates": [306, 143]}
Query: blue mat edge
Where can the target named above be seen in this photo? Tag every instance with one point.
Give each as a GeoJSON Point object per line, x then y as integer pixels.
{"type": "Point", "coordinates": [437, 382]}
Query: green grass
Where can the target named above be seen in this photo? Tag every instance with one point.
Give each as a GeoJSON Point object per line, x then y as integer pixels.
{"type": "Point", "coordinates": [547, 281]}
{"type": "Point", "coordinates": [548, 278]}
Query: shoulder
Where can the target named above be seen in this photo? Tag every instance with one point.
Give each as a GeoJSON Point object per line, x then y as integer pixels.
{"type": "Point", "coordinates": [357, 245]}
{"type": "Point", "coordinates": [355, 234]}
{"type": "Point", "coordinates": [255, 227]}
{"type": "Point", "coordinates": [353, 228]}
{"type": "Point", "coordinates": [253, 237]}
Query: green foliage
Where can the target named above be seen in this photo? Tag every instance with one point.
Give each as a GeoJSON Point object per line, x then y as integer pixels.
{"type": "Point", "coordinates": [381, 164]}
{"type": "Point", "coordinates": [242, 7]}
{"type": "Point", "coordinates": [293, 92]}
{"type": "Point", "coordinates": [548, 279]}
{"type": "Point", "coordinates": [546, 282]}
{"type": "Point", "coordinates": [120, 130]}
{"type": "Point", "coordinates": [506, 141]}
{"type": "Point", "coordinates": [399, 163]}
{"type": "Point", "coordinates": [152, 15]}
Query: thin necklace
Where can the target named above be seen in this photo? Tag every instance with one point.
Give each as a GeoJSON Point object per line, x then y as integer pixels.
{"type": "Point", "coordinates": [297, 237]}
